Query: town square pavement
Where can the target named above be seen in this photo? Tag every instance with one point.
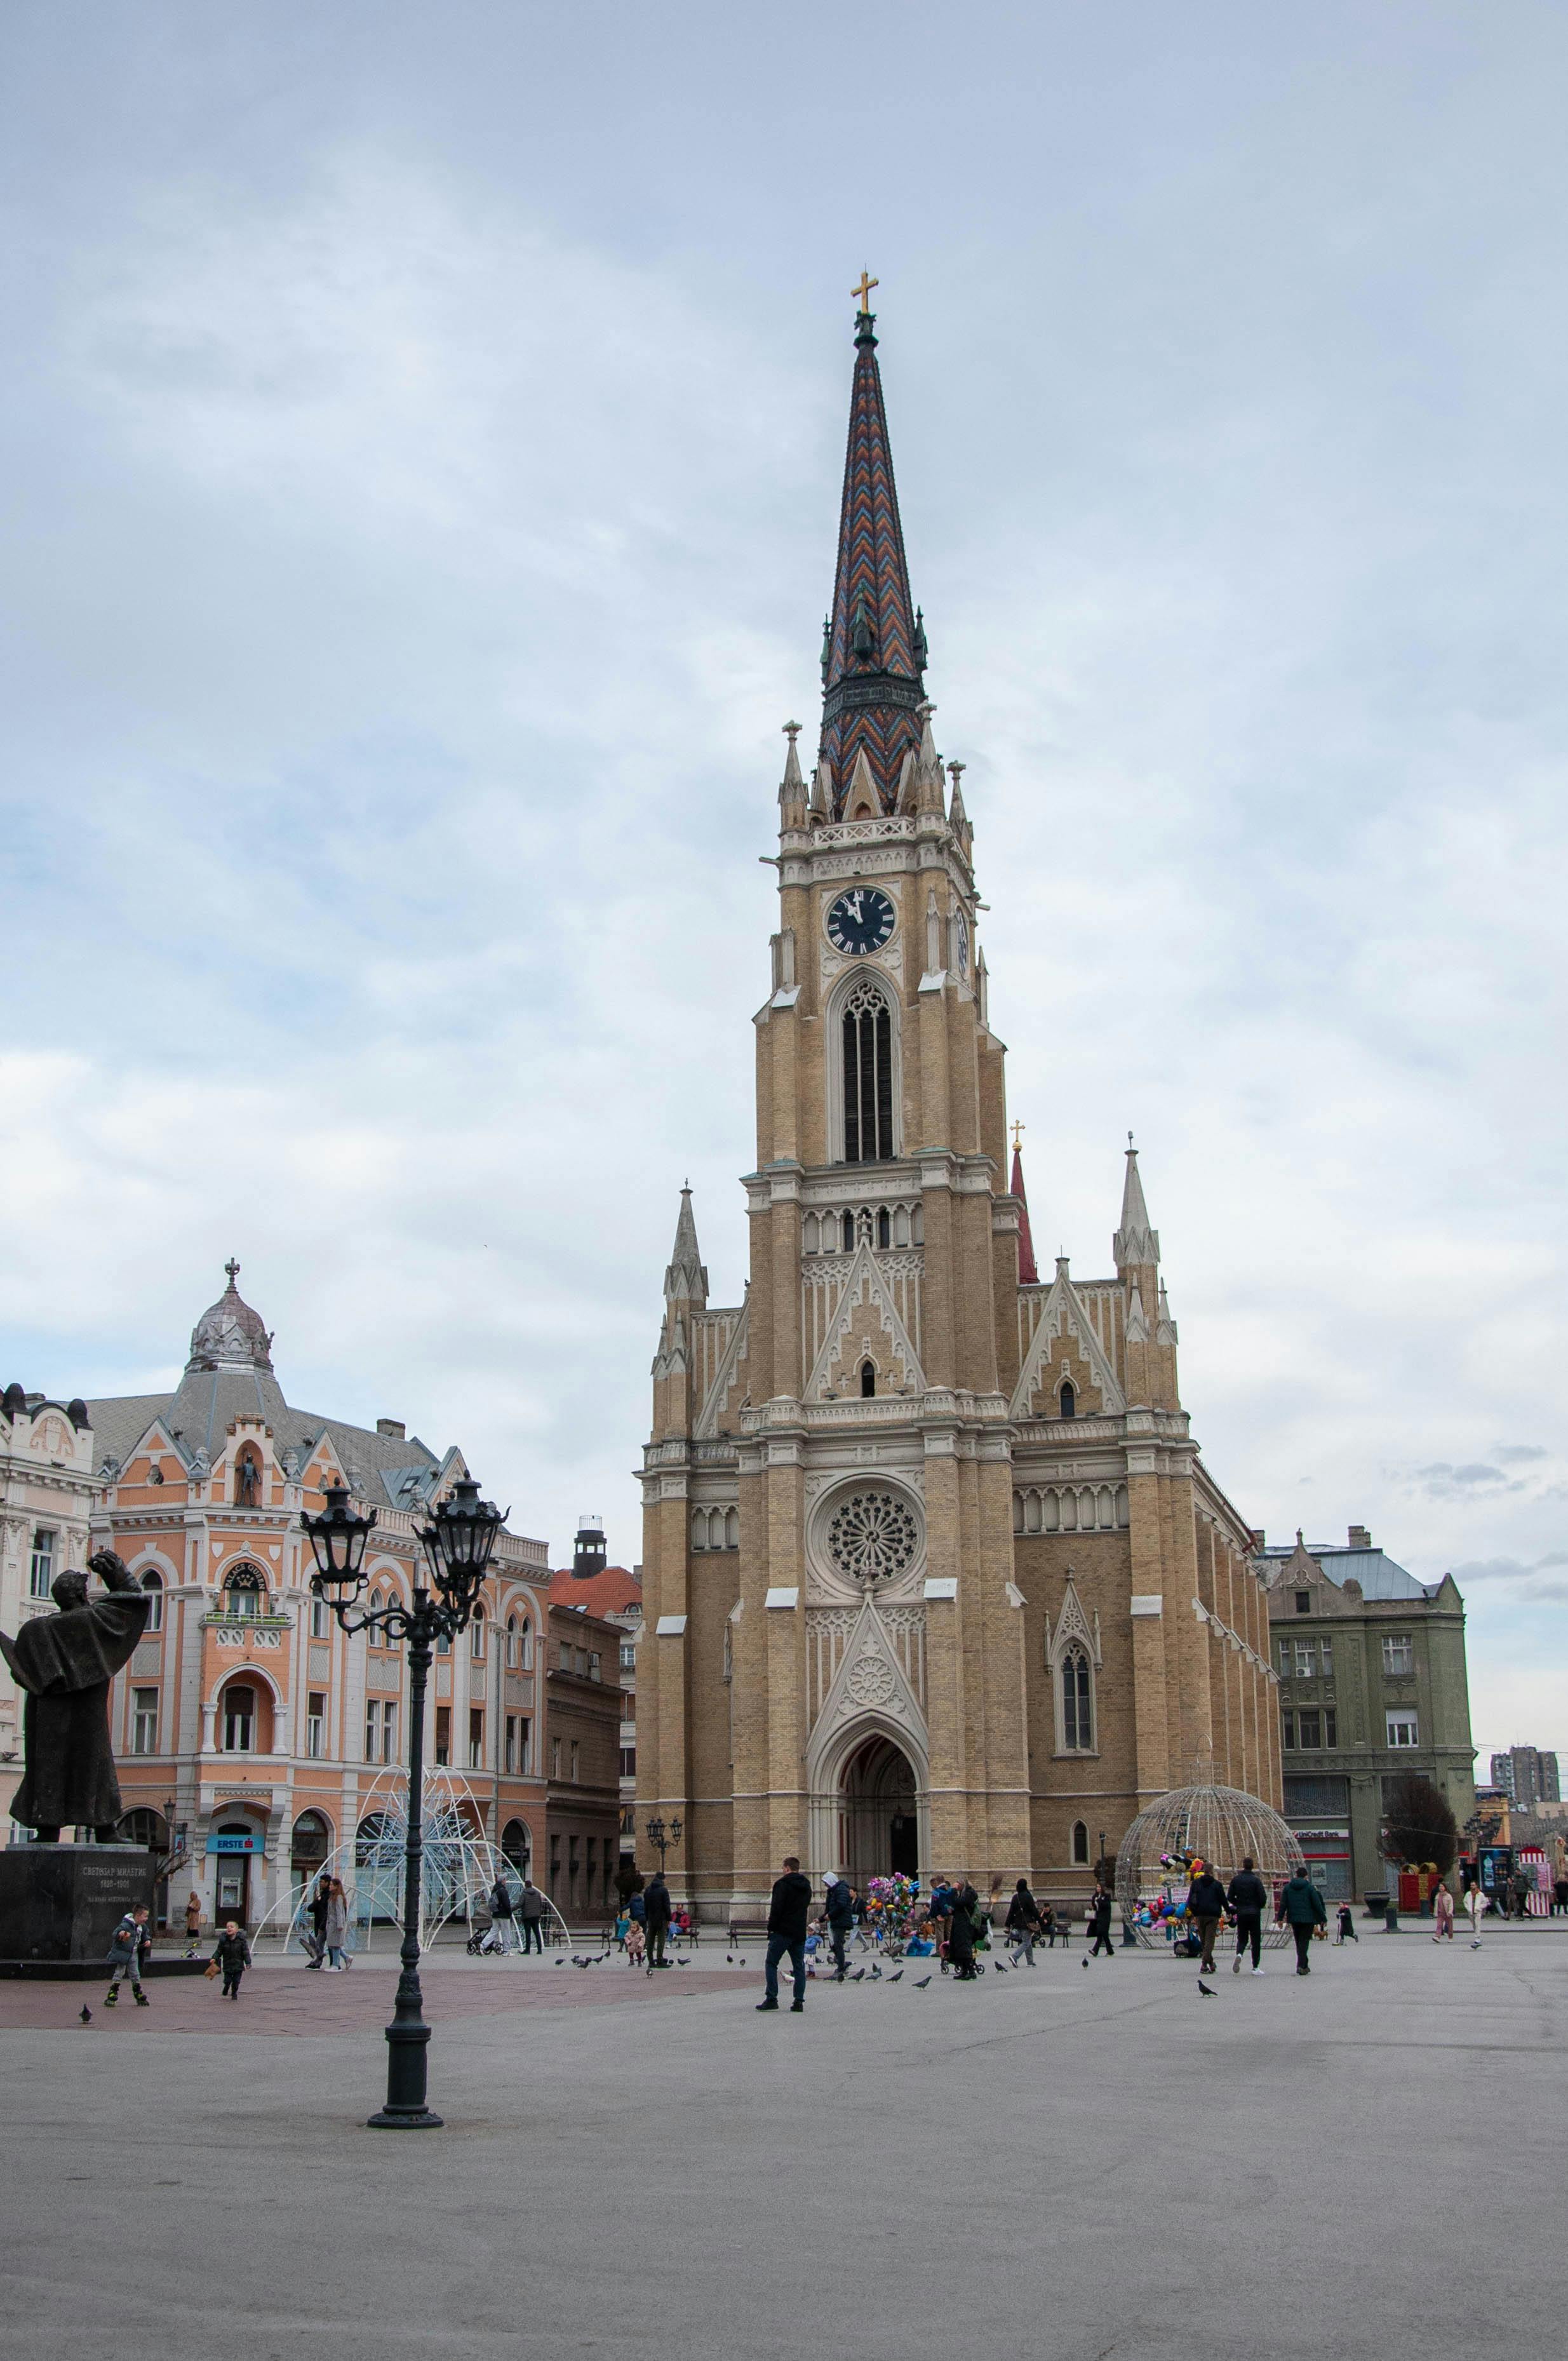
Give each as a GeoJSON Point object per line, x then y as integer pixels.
{"type": "Point", "coordinates": [1097, 2164]}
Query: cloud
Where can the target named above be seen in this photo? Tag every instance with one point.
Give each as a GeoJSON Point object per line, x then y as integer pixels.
{"type": "Point", "coordinates": [420, 533]}
{"type": "Point", "coordinates": [1516, 1454]}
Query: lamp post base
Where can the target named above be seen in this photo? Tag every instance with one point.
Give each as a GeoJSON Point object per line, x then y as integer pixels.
{"type": "Point", "coordinates": [414, 2119]}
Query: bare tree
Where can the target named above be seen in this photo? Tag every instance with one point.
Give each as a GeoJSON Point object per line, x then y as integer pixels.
{"type": "Point", "coordinates": [1419, 1827]}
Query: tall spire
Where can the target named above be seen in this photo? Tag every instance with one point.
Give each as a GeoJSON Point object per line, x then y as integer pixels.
{"type": "Point", "coordinates": [873, 650]}
{"type": "Point", "coordinates": [1135, 1241]}
{"type": "Point", "coordinates": [1028, 1272]}
{"type": "Point", "coordinates": [685, 1279]}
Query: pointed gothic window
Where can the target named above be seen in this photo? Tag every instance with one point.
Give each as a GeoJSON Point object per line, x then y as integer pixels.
{"type": "Point", "coordinates": [883, 1229]}
{"type": "Point", "coordinates": [868, 1379]}
{"type": "Point", "coordinates": [1077, 1711]}
{"type": "Point", "coordinates": [1079, 1840]}
{"type": "Point", "coordinates": [868, 1076]}
{"type": "Point", "coordinates": [1068, 1400]}
{"type": "Point", "coordinates": [849, 1232]}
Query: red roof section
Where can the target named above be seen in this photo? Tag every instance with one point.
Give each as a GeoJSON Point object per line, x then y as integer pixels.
{"type": "Point", "coordinates": [611, 1591]}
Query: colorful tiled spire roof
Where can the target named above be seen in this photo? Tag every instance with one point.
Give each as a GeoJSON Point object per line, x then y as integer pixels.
{"type": "Point", "coordinates": [873, 645]}
{"type": "Point", "coordinates": [1028, 1274]}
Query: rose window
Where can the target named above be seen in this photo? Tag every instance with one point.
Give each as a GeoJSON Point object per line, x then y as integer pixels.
{"type": "Point", "coordinates": [872, 1536]}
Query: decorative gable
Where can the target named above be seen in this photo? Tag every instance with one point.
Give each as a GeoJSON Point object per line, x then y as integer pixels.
{"type": "Point", "coordinates": [1064, 1345]}
{"type": "Point", "coordinates": [865, 1326]}
{"type": "Point", "coordinates": [871, 1680]}
{"type": "Point", "coordinates": [729, 1388]}
{"type": "Point", "coordinates": [1072, 1624]}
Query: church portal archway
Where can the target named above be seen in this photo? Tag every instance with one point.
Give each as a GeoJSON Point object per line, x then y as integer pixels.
{"type": "Point", "coordinates": [879, 1811]}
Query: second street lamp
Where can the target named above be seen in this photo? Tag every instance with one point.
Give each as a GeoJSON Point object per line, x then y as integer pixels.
{"type": "Point", "coordinates": [457, 1542]}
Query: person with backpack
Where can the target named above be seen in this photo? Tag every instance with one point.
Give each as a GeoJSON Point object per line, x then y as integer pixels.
{"type": "Point", "coordinates": [840, 1914]}
{"type": "Point", "coordinates": [1300, 1908]}
{"type": "Point", "coordinates": [1248, 1896]}
{"type": "Point", "coordinates": [502, 1915]}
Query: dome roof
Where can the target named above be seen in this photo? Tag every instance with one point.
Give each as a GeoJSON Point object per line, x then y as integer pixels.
{"type": "Point", "coordinates": [229, 1335]}
{"type": "Point", "coordinates": [1219, 1826]}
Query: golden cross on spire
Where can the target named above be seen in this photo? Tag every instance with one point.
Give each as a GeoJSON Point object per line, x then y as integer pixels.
{"type": "Point", "coordinates": [862, 292]}
{"type": "Point", "coordinates": [1018, 1127]}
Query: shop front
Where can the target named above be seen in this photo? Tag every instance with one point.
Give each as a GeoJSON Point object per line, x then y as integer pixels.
{"type": "Point", "coordinates": [1327, 1860]}
{"type": "Point", "coordinates": [231, 1848]}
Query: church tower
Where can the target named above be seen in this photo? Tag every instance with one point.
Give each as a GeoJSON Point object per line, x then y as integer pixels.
{"type": "Point", "coordinates": [933, 1576]}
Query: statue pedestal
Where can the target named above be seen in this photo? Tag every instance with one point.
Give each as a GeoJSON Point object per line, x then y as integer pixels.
{"type": "Point", "coordinates": [60, 1903]}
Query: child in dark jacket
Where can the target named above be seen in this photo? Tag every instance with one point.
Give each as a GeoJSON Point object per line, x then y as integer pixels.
{"type": "Point", "coordinates": [233, 1955]}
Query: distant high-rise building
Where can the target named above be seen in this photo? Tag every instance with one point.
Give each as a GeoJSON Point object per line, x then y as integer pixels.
{"type": "Point", "coordinates": [1527, 1775]}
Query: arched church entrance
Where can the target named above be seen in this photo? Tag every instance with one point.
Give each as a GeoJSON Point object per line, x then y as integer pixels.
{"type": "Point", "coordinates": [879, 1812]}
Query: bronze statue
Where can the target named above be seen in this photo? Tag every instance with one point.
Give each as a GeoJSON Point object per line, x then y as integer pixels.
{"type": "Point", "coordinates": [65, 1662]}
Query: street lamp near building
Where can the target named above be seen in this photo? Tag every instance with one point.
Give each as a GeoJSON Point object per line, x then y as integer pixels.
{"type": "Point", "coordinates": [457, 1543]}
{"type": "Point", "coordinates": [663, 1838]}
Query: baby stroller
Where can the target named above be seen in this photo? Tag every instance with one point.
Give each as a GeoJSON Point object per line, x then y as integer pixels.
{"type": "Point", "coordinates": [485, 1937]}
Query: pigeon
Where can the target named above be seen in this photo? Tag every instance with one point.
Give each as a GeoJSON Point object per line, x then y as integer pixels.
{"type": "Point", "coordinates": [858, 1974]}
{"type": "Point", "coordinates": [1207, 1990]}
{"type": "Point", "coordinates": [876, 1974]}
{"type": "Point", "coordinates": [86, 2016]}
{"type": "Point", "coordinates": [560, 1963]}
{"type": "Point", "coordinates": [1086, 1963]}
{"type": "Point", "coordinates": [921, 1984]}
{"type": "Point", "coordinates": [999, 1969]}
{"type": "Point", "coordinates": [893, 1980]}
{"type": "Point", "coordinates": [729, 1958]}
{"type": "Point", "coordinates": [683, 1963]}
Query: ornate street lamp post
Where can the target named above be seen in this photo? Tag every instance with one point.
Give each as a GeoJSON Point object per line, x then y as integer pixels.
{"type": "Point", "coordinates": [457, 1542]}
{"type": "Point", "coordinates": [662, 1838]}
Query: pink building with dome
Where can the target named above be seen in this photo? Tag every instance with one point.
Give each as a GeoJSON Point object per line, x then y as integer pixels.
{"type": "Point", "coordinates": [253, 1735]}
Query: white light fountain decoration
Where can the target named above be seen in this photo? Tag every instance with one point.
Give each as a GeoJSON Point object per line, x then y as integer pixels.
{"type": "Point", "coordinates": [460, 1868]}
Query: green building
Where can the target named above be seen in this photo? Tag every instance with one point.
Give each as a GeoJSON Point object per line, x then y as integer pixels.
{"type": "Point", "coordinates": [1372, 1688]}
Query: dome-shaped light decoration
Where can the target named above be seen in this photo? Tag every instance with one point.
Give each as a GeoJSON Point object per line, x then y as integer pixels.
{"type": "Point", "coordinates": [1219, 1826]}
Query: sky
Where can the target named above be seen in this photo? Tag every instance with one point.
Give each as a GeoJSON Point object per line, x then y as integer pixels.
{"type": "Point", "coordinates": [422, 435]}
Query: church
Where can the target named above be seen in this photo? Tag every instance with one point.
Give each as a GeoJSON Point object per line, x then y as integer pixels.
{"type": "Point", "coordinates": [935, 1578]}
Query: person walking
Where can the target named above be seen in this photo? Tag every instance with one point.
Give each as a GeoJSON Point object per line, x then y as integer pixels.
{"type": "Point", "coordinates": [1300, 1908]}
{"type": "Point", "coordinates": [1100, 1920]}
{"type": "Point", "coordinates": [1248, 1896]}
{"type": "Point", "coordinates": [657, 1913]}
{"type": "Point", "coordinates": [1205, 1908]}
{"type": "Point", "coordinates": [192, 1924]}
{"type": "Point", "coordinates": [962, 1901]}
{"type": "Point", "coordinates": [336, 1928]}
{"type": "Point", "coordinates": [840, 1913]}
{"type": "Point", "coordinates": [530, 1917]}
{"type": "Point", "coordinates": [788, 1913]}
{"type": "Point", "coordinates": [317, 1915]}
{"type": "Point", "coordinates": [231, 1954]}
{"type": "Point", "coordinates": [1442, 1912]}
{"type": "Point", "coordinates": [502, 1915]}
{"type": "Point", "coordinates": [1346, 1923]}
{"type": "Point", "coordinates": [1024, 1921]}
{"type": "Point", "coordinates": [127, 1944]}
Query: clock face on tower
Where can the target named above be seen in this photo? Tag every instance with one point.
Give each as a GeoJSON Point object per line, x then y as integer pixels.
{"type": "Point", "coordinates": [860, 920]}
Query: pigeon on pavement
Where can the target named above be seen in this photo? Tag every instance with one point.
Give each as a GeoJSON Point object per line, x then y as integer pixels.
{"type": "Point", "coordinates": [921, 1984]}
{"type": "Point", "coordinates": [999, 1969]}
{"type": "Point", "coordinates": [1086, 1963]}
{"type": "Point", "coordinates": [1207, 1990]}
{"type": "Point", "coordinates": [893, 1980]}
{"type": "Point", "coordinates": [858, 1974]}
{"type": "Point", "coordinates": [86, 2016]}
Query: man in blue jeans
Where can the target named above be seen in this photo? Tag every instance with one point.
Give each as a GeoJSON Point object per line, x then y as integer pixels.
{"type": "Point", "coordinates": [787, 1916]}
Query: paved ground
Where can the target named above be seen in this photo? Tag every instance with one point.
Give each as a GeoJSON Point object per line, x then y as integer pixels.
{"type": "Point", "coordinates": [1082, 2164]}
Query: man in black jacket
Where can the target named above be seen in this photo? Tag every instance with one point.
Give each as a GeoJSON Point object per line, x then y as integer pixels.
{"type": "Point", "coordinates": [657, 1913]}
{"type": "Point", "coordinates": [787, 1914]}
{"type": "Point", "coordinates": [1205, 1908]}
{"type": "Point", "coordinates": [1248, 1896]}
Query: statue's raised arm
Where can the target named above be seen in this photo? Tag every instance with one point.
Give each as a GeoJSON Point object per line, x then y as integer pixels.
{"type": "Point", "coordinates": [64, 1663]}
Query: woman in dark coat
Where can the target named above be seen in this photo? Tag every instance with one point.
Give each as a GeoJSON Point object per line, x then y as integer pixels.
{"type": "Point", "coordinates": [960, 1933]}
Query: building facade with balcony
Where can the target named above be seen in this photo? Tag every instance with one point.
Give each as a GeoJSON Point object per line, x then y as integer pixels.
{"type": "Point", "coordinates": [253, 1735]}
{"type": "Point", "coordinates": [1372, 1685]}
